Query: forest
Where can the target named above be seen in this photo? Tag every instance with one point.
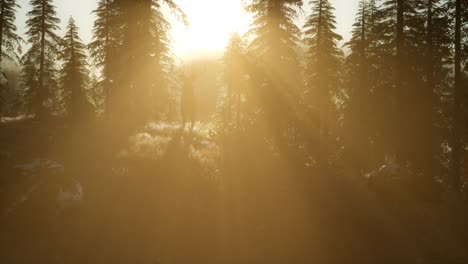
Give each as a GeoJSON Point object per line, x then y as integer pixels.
{"type": "Point", "coordinates": [297, 146]}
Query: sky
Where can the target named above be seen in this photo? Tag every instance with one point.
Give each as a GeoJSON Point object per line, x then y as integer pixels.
{"type": "Point", "coordinates": [209, 31]}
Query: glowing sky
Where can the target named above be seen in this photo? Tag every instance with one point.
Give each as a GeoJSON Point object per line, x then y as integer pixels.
{"type": "Point", "coordinates": [209, 30]}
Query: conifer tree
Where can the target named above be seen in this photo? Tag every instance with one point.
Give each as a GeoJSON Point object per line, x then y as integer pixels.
{"type": "Point", "coordinates": [323, 66]}
{"type": "Point", "coordinates": [28, 83]}
{"type": "Point", "coordinates": [276, 71]}
{"type": "Point", "coordinates": [41, 26]}
{"type": "Point", "coordinates": [104, 47]}
{"type": "Point", "coordinates": [74, 72]}
{"type": "Point", "coordinates": [357, 131]}
{"type": "Point", "coordinates": [164, 59]}
{"type": "Point", "coordinates": [131, 44]}
{"type": "Point", "coordinates": [10, 42]}
{"type": "Point", "coordinates": [457, 140]}
{"type": "Point", "coordinates": [400, 29]}
{"type": "Point", "coordinates": [233, 76]}
{"type": "Point", "coordinates": [145, 49]}
{"type": "Point", "coordinates": [274, 29]}
{"type": "Point", "coordinates": [434, 67]}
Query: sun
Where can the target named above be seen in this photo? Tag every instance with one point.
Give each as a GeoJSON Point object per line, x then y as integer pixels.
{"type": "Point", "coordinates": [211, 24]}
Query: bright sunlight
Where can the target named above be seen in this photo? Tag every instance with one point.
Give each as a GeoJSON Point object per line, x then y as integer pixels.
{"type": "Point", "coordinates": [208, 32]}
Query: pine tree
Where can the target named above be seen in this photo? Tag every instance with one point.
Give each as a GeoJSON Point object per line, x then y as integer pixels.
{"type": "Point", "coordinates": [274, 29]}
{"type": "Point", "coordinates": [323, 66]}
{"type": "Point", "coordinates": [44, 42]}
{"type": "Point", "coordinates": [74, 72]}
{"type": "Point", "coordinates": [146, 50]}
{"type": "Point", "coordinates": [11, 93]}
{"type": "Point", "coordinates": [457, 137]}
{"type": "Point", "coordinates": [276, 71]}
{"type": "Point", "coordinates": [434, 70]}
{"type": "Point", "coordinates": [131, 44]}
{"type": "Point", "coordinates": [233, 77]}
{"type": "Point", "coordinates": [104, 47]}
{"type": "Point", "coordinates": [10, 42]}
{"type": "Point", "coordinates": [28, 84]}
{"type": "Point", "coordinates": [357, 131]}
{"type": "Point", "coordinates": [399, 52]}
{"type": "Point", "coordinates": [164, 64]}
{"type": "Point", "coordinates": [137, 47]}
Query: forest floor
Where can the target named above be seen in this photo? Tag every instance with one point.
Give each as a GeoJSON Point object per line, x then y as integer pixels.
{"type": "Point", "coordinates": [164, 195]}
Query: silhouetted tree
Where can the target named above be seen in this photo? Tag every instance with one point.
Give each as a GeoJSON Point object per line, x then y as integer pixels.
{"type": "Point", "coordinates": [233, 77]}
{"type": "Point", "coordinates": [44, 43]}
{"type": "Point", "coordinates": [104, 47]}
{"type": "Point", "coordinates": [28, 83]}
{"type": "Point", "coordinates": [11, 94]}
{"type": "Point", "coordinates": [458, 109]}
{"type": "Point", "coordinates": [435, 58]}
{"type": "Point", "coordinates": [400, 29]}
{"type": "Point", "coordinates": [131, 44]}
{"type": "Point", "coordinates": [74, 72]}
{"type": "Point", "coordinates": [323, 68]}
{"type": "Point", "coordinates": [164, 69]}
{"type": "Point", "coordinates": [357, 129]}
{"type": "Point", "coordinates": [10, 42]}
{"type": "Point", "coordinates": [276, 73]}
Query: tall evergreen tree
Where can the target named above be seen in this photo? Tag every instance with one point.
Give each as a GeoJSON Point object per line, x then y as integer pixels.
{"type": "Point", "coordinates": [164, 66]}
{"type": "Point", "coordinates": [400, 31]}
{"type": "Point", "coordinates": [146, 50]}
{"type": "Point", "coordinates": [131, 44]}
{"type": "Point", "coordinates": [10, 42]}
{"type": "Point", "coordinates": [274, 29]}
{"type": "Point", "coordinates": [357, 131]}
{"type": "Point", "coordinates": [435, 58]}
{"type": "Point", "coordinates": [458, 108]}
{"type": "Point", "coordinates": [74, 72]}
{"type": "Point", "coordinates": [41, 26]}
{"type": "Point", "coordinates": [137, 48]}
{"type": "Point", "coordinates": [104, 47]}
{"type": "Point", "coordinates": [274, 43]}
{"type": "Point", "coordinates": [28, 83]}
{"type": "Point", "coordinates": [323, 67]}
{"type": "Point", "coordinates": [233, 77]}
